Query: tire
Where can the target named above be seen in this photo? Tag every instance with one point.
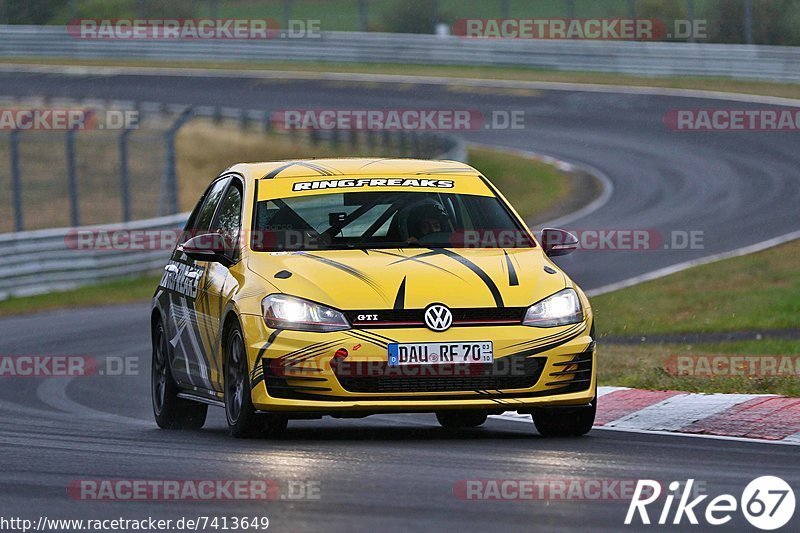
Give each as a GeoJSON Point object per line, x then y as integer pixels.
{"type": "Point", "coordinates": [170, 411]}
{"type": "Point", "coordinates": [460, 419]}
{"type": "Point", "coordinates": [563, 422]}
{"type": "Point", "coordinates": [243, 420]}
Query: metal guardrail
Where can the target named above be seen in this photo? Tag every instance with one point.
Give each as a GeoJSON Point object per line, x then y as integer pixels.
{"type": "Point", "coordinates": [40, 261]}
{"type": "Point", "coordinates": [34, 262]}
{"type": "Point", "coordinates": [773, 63]}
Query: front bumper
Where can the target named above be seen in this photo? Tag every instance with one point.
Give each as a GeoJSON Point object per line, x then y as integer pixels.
{"type": "Point", "coordinates": [292, 372]}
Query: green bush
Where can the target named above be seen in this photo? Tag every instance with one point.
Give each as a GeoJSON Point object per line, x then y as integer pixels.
{"type": "Point", "coordinates": [412, 16]}
{"type": "Point", "coordinates": [775, 22]}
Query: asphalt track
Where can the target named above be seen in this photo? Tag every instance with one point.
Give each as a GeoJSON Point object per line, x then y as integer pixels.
{"type": "Point", "coordinates": [399, 472]}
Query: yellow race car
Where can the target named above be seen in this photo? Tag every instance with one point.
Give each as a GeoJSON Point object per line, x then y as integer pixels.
{"type": "Point", "coordinates": [350, 287]}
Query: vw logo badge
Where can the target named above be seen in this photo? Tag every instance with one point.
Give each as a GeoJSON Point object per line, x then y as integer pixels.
{"type": "Point", "coordinates": [438, 317]}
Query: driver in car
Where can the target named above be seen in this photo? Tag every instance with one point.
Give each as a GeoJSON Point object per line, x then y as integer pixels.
{"type": "Point", "coordinates": [424, 220]}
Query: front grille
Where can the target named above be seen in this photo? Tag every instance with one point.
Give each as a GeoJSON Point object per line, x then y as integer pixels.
{"type": "Point", "coordinates": [409, 318]}
{"type": "Point", "coordinates": [450, 378]}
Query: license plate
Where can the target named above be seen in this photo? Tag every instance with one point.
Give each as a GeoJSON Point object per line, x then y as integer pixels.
{"type": "Point", "coordinates": [435, 353]}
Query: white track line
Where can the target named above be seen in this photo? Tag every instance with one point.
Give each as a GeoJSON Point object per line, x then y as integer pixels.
{"type": "Point", "coordinates": [673, 269]}
{"type": "Point", "coordinates": [606, 185]}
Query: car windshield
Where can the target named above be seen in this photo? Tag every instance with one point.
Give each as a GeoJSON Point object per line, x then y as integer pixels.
{"type": "Point", "coordinates": [370, 220]}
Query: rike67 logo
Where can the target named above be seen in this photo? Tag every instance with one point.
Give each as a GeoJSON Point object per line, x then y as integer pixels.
{"type": "Point", "coordinates": [767, 502]}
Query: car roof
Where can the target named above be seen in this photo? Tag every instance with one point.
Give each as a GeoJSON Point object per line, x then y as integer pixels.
{"type": "Point", "coordinates": [298, 168]}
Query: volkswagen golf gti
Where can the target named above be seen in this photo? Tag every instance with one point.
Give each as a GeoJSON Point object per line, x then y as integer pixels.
{"type": "Point", "coordinates": [351, 287]}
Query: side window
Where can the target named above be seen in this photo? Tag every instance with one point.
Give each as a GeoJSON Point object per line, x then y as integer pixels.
{"type": "Point", "coordinates": [200, 219]}
{"type": "Point", "coordinates": [229, 219]}
{"type": "Point", "coordinates": [206, 213]}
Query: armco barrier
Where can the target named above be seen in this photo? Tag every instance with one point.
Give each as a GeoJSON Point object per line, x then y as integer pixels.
{"type": "Point", "coordinates": [39, 261]}
{"type": "Point", "coordinates": [34, 262]}
{"type": "Point", "coordinates": [774, 63]}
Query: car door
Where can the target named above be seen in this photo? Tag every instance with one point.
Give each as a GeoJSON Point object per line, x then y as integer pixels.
{"type": "Point", "coordinates": [184, 281]}
{"type": "Point", "coordinates": [217, 285]}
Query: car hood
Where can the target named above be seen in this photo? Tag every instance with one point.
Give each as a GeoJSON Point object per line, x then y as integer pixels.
{"type": "Point", "coordinates": [412, 278]}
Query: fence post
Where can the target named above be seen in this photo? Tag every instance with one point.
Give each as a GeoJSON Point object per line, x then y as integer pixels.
{"type": "Point", "coordinates": [16, 179]}
{"type": "Point", "coordinates": [169, 185]}
{"type": "Point", "coordinates": [72, 177]}
{"type": "Point", "coordinates": [287, 13]}
{"type": "Point", "coordinates": [267, 121]}
{"type": "Point", "coordinates": [124, 176]}
{"type": "Point", "coordinates": [362, 15]}
{"type": "Point", "coordinates": [748, 21]}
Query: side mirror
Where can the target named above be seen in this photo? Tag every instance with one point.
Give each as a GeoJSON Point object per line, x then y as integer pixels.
{"type": "Point", "coordinates": [558, 242]}
{"type": "Point", "coordinates": [208, 247]}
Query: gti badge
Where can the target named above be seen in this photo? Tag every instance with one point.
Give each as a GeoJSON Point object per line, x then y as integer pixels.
{"type": "Point", "coordinates": [438, 317]}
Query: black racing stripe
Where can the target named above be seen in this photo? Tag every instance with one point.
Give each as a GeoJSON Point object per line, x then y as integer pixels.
{"type": "Point", "coordinates": [539, 349]}
{"type": "Point", "coordinates": [513, 280]}
{"type": "Point", "coordinates": [194, 325]}
{"type": "Point", "coordinates": [311, 348]}
{"type": "Point", "coordinates": [256, 380]}
{"type": "Point", "coordinates": [376, 335]}
{"type": "Point", "coordinates": [316, 353]}
{"type": "Point", "coordinates": [321, 168]}
{"type": "Point", "coordinates": [580, 326]}
{"type": "Point", "coordinates": [362, 335]}
{"type": "Point", "coordinates": [347, 269]}
{"type": "Point", "coordinates": [371, 340]}
{"type": "Point", "coordinates": [374, 338]}
{"type": "Point", "coordinates": [277, 171]}
{"type": "Point", "coordinates": [416, 258]}
{"type": "Point", "coordinates": [400, 299]}
{"type": "Point", "coordinates": [404, 258]}
{"type": "Point", "coordinates": [280, 169]}
{"type": "Point", "coordinates": [490, 284]}
{"type": "Point", "coordinates": [257, 369]}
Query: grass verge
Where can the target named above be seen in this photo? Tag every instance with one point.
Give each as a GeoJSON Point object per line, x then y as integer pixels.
{"type": "Point", "coordinates": [756, 292]}
{"type": "Point", "coordinates": [123, 291]}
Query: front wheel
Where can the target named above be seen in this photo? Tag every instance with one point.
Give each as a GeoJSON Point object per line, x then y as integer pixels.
{"type": "Point", "coordinates": [243, 419]}
{"type": "Point", "coordinates": [170, 411]}
{"type": "Point", "coordinates": [565, 422]}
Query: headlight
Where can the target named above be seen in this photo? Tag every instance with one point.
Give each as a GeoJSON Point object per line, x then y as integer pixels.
{"type": "Point", "coordinates": [287, 312]}
{"type": "Point", "coordinates": [562, 308]}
